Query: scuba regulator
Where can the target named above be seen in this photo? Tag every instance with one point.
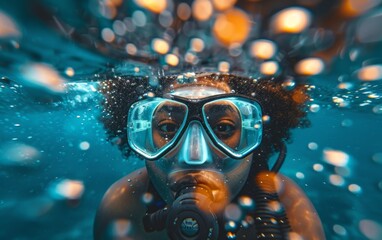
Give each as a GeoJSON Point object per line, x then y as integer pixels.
{"type": "Point", "coordinates": [185, 219]}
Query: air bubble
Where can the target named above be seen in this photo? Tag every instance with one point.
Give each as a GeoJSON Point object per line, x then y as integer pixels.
{"type": "Point", "coordinates": [300, 175]}
{"type": "Point", "coordinates": [314, 108]}
{"type": "Point", "coordinates": [336, 180]}
{"type": "Point", "coordinates": [340, 230]}
{"type": "Point", "coordinates": [147, 198]}
{"type": "Point", "coordinates": [318, 167]}
{"type": "Point", "coordinates": [84, 145]}
{"type": "Point", "coordinates": [233, 212]}
{"type": "Point", "coordinates": [354, 188]}
{"type": "Point", "coordinates": [313, 146]}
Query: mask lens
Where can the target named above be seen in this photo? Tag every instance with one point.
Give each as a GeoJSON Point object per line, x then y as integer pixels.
{"type": "Point", "coordinates": [235, 123]}
{"type": "Point", "coordinates": [154, 124]}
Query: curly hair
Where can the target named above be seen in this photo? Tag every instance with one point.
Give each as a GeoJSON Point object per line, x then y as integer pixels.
{"type": "Point", "coordinates": [283, 109]}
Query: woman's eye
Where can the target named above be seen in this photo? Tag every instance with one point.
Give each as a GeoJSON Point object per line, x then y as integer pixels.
{"type": "Point", "coordinates": [169, 128]}
{"type": "Point", "coordinates": [224, 128]}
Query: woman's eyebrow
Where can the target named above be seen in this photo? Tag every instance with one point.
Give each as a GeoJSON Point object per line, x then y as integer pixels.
{"type": "Point", "coordinates": [221, 107]}
{"type": "Point", "coordinates": [170, 109]}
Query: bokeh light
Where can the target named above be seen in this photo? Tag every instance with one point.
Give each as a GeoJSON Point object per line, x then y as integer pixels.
{"type": "Point", "coordinates": [197, 45]}
{"type": "Point", "coordinates": [309, 66]}
{"type": "Point", "coordinates": [160, 46]}
{"type": "Point", "coordinates": [263, 49]}
{"type": "Point", "coordinates": [269, 68]}
{"type": "Point", "coordinates": [222, 5]}
{"type": "Point", "coordinates": [353, 8]}
{"type": "Point", "coordinates": [156, 6]}
{"type": "Point", "coordinates": [291, 20]}
{"type": "Point", "coordinates": [172, 59]}
{"type": "Point", "coordinates": [232, 26]}
{"type": "Point", "coordinates": [336, 157]}
{"type": "Point", "coordinates": [42, 76]}
{"type": "Point", "coordinates": [184, 11]}
{"type": "Point", "coordinates": [370, 73]}
{"type": "Point", "coordinates": [202, 10]}
{"type": "Point", "coordinates": [370, 229]}
{"type": "Point", "coordinates": [67, 189]}
{"type": "Point", "coordinates": [8, 27]}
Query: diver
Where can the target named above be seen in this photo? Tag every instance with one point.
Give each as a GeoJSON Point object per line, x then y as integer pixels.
{"type": "Point", "coordinates": [206, 140]}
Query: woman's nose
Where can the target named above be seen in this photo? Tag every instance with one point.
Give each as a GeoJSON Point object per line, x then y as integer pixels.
{"type": "Point", "coordinates": [195, 148]}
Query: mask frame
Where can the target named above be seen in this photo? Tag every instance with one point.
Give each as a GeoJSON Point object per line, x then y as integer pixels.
{"type": "Point", "coordinates": [195, 108]}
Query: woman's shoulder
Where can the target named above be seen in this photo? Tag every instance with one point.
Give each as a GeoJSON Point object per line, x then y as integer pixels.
{"type": "Point", "coordinates": [301, 213]}
{"type": "Point", "coordinates": [122, 209]}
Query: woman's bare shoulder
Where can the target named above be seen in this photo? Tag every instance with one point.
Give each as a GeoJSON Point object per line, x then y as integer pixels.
{"type": "Point", "coordinates": [301, 213]}
{"type": "Point", "coordinates": [122, 209]}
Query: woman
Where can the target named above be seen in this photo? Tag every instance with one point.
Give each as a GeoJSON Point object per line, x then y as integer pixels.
{"type": "Point", "coordinates": [205, 139]}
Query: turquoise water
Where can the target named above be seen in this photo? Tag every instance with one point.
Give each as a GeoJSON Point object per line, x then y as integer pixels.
{"type": "Point", "coordinates": [55, 164]}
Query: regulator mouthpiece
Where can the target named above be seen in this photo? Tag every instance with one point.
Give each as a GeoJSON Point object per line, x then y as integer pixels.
{"type": "Point", "coordinates": [185, 219]}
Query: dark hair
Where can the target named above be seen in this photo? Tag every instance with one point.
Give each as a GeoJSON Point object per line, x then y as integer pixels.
{"type": "Point", "coordinates": [286, 109]}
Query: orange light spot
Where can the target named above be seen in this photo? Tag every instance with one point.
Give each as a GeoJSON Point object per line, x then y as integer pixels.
{"type": "Point", "coordinates": [309, 66]}
{"type": "Point", "coordinates": [269, 68]}
{"type": "Point", "coordinates": [160, 46]}
{"type": "Point", "coordinates": [370, 73]}
{"type": "Point", "coordinates": [222, 5]}
{"type": "Point", "coordinates": [232, 27]}
{"type": "Point", "coordinates": [263, 49]}
{"type": "Point", "coordinates": [156, 6]}
{"type": "Point", "coordinates": [291, 20]}
{"type": "Point", "coordinates": [352, 8]}
{"type": "Point", "coordinates": [202, 10]}
{"type": "Point", "coordinates": [184, 11]}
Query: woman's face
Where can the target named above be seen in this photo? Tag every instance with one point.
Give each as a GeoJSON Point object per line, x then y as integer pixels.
{"type": "Point", "coordinates": [195, 160]}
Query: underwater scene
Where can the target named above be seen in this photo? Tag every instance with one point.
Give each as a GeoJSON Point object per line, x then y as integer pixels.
{"type": "Point", "coordinates": [70, 69]}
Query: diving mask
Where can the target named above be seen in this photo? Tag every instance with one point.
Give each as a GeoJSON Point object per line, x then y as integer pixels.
{"type": "Point", "coordinates": [233, 123]}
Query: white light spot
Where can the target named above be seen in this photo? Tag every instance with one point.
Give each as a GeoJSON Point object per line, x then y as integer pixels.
{"type": "Point", "coordinates": [354, 188]}
{"type": "Point", "coordinates": [340, 230]}
{"type": "Point", "coordinates": [336, 157]}
{"type": "Point", "coordinates": [314, 108]}
{"type": "Point", "coordinates": [223, 66]}
{"type": "Point", "coordinates": [336, 180]}
{"type": "Point", "coordinates": [300, 175]}
{"type": "Point", "coordinates": [318, 167]}
{"type": "Point", "coordinates": [84, 145]}
{"type": "Point", "coordinates": [313, 146]}
{"type": "Point", "coordinates": [67, 189]}
{"type": "Point", "coordinates": [69, 72]}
